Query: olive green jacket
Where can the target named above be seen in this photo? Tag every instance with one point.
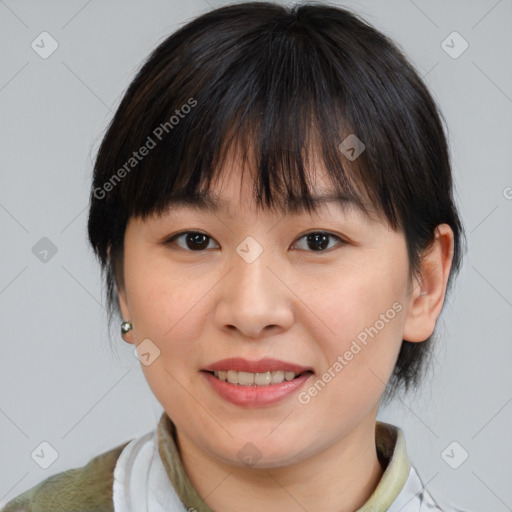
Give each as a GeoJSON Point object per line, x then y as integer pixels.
{"type": "Point", "coordinates": [84, 489]}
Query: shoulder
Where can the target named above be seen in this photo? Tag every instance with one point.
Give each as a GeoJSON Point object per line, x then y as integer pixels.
{"type": "Point", "coordinates": [84, 489]}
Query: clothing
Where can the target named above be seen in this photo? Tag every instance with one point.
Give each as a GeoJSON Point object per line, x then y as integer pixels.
{"type": "Point", "coordinates": [146, 475]}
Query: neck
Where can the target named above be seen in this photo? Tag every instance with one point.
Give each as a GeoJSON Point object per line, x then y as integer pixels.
{"type": "Point", "coordinates": [340, 478]}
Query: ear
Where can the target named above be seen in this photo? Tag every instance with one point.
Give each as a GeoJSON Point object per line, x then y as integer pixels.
{"type": "Point", "coordinates": [429, 290]}
{"type": "Point", "coordinates": [125, 312]}
{"type": "Point", "coordinates": [123, 307]}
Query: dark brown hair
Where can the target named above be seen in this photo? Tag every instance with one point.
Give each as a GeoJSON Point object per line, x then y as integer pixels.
{"type": "Point", "coordinates": [280, 82]}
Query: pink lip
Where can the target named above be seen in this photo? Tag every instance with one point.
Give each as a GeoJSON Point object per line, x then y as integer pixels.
{"type": "Point", "coordinates": [255, 396]}
{"type": "Point", "coordinates": [240, 364]}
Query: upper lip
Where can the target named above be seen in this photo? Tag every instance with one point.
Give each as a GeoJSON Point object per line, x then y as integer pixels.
{"type": "Point", "coordinates": [261, 366]}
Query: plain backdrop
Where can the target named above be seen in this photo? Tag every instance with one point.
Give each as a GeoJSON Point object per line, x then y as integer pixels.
{"type": "Point", "coordinates": [60, 381]}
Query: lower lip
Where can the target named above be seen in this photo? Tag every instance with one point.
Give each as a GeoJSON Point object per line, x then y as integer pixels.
{"type": "Point", "coordinates": [256, 396]}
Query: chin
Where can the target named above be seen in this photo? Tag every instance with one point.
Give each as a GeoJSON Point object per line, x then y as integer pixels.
{"type": "Point", "coordinates": [261, 453]}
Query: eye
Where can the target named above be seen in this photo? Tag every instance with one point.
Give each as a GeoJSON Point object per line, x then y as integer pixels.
{"type": "Point", "coordinates": [318, 241]}
{"type": "Point", "coordinates": [194, 240]}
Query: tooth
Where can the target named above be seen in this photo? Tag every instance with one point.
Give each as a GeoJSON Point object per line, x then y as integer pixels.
{"type": "Point", "coordinates": [277, 377]}
{"type": "Point", "coordinates": [232, 376]}
{"type": "Point", "coordinates": [245, 378]}
{"type": "Point", "coordinates": [254, 379]}
{"type": "Point", "coordinates": [263, 379]}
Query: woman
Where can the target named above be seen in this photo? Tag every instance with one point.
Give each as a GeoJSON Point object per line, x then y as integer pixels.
{"type": "Point", "coordinates": [272, 207]}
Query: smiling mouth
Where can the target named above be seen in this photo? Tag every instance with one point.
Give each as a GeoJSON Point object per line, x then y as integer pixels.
{"type": "Point", "coordinates": [256, 379]}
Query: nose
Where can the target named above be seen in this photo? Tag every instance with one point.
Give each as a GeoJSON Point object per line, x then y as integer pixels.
{"type": "Point", "coordinates": [254, 299]}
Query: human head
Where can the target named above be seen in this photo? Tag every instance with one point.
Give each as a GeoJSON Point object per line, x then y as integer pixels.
{"type": "Point", "coordinates": [285, 84]}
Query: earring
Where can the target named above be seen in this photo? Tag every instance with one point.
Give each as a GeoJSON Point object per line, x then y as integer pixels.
{"type": "Point", "coordinates": [423, 292]}
{"type": "Point", "coordinates": [126, 327]}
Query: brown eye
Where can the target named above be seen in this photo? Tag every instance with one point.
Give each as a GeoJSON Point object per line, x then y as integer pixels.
{"type": "Point", "coordinates": [318, 241]}
{"type": "Point", "coordinates": [193, 240]}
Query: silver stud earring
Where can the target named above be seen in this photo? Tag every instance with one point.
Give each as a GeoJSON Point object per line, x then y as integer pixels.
{"type": "Point", "coordinates": [126, 327]}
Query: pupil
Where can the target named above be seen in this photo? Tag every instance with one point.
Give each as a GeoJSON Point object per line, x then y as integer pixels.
{"type": "Point", "coordinates": [198, 240]}
{"type": "Point", "coordinates": [315, 238]}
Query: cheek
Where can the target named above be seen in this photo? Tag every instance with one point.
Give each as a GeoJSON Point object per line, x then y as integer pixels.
{"type": "Point", "coordinates": [151, 291]}
{"type": "Point", "coordinates": [352, 298]}
{"type": "Point", "coordinates": [170, 309]}
{"type": "Point", "coordinates": [363, 310]}
{"type": "Point", "coordinates": [168, 305]}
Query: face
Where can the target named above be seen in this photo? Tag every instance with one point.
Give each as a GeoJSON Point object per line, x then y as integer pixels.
{"type": "Point", "coordinates": [246, 283]}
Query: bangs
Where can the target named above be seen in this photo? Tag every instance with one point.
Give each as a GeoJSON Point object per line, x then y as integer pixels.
{"type": "Point", "coordinates": [283, 109]}
{"type": "Point", "coordinates": [284, 163]}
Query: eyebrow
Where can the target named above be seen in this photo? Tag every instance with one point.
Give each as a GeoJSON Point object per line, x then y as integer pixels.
{"type": "Point", "coordinates": [209, 202]}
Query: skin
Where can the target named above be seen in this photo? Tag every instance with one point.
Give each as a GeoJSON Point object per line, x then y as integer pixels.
{"type": "Point", "coordinates": [292, 303]}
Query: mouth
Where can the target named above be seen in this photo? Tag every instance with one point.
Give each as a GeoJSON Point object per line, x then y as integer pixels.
{"type": "Point", "coordinates": [263, 372]}
{"type": "Point", "coordinates": [250, 379]}
{"type": "Point", "coordinates": [260, 388]}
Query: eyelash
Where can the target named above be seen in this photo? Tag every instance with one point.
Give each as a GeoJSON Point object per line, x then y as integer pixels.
{"type": "Point", "coordinates": [173, 238]}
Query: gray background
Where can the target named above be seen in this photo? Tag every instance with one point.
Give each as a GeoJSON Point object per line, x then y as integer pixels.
{"type": "Point", "coordinates": [60, 381]}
